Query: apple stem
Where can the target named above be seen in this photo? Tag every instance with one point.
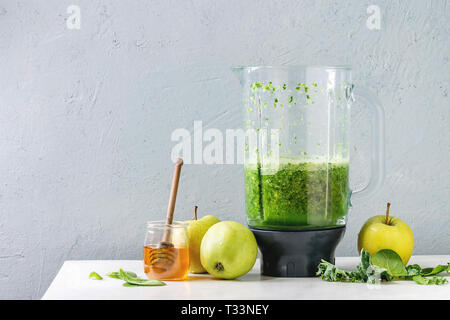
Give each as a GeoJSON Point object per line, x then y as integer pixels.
{"type": "Point", "coordinates": [195, 212]}
{"type": "Point", "coordinates": [387, 213]}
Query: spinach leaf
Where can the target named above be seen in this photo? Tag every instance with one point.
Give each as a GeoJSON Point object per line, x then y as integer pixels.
{"type": "Point", "coordinates": [413, 270]}
{"type": "Point", "coordinates": [390, 261]}
{"type": "Point", "coordinates": [429, 280]}
{"type": "Point", "coordinates": [95, 276]}
{"type": "Point", "coordinates": [126, 284]}
{"type": "Point", "coordinates": [384, 265]}
{"type": "Point", "coordinates": [133, 280]}
{"type": "Point", "coordinates": [116, 275]}
{"type": "Point", "coordinates": [144, 282]}
{"type": "Point", "coordinates": [436, 270]}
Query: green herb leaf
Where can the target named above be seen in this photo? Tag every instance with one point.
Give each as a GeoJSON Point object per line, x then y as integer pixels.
{"type": "Point", "coordinates": [330, 272]}
{"type": "Point", "coordinates": [132, 280]}
{"type": "Point", "coordinates": [429, 280]}
{"type": "Point", "coordinates": [413, 269]}
{"type": "Point", "coordinates": [145, 282]}
{"type": "Point", "coordinates": [126, 284]}
{"type": "Point", "coordinates": [364, 265]}
{"type": "Point", "coordinates": [436, 270]}
{"type": "Point", "coordinates": [365, 271]}
{"type": "Point", "coordinates": [95, 276]}
{"type": "Point", "coordinates": [390, 261]}
{"type": "Point", "coordinates": [384, 265]}
{"type": "Point", "coordinates": [139, 281]}
{"type": "Point", "coordinates": [116, 275]}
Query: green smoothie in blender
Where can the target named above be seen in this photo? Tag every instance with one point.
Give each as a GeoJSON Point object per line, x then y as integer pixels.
{"type": "Point", "coordinates": [299, 194]}
{"type": "Point", "coordinates": [309, 185]}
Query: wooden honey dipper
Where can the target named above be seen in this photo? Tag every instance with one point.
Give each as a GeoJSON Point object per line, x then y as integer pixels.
{"type": "Point", "coordinates": [163, 256]}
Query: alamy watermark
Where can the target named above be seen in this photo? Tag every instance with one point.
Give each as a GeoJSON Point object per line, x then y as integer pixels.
{"type": "Point", "coordinates": [374, 20]}
{"type": "Point", "coordinates": [74, 19]}
{"type": "Point", "coordinates": [236, 146]}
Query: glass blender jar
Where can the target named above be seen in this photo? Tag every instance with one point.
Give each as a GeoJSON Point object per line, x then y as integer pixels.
{"type": "Point", "coordinates": [297, 164]}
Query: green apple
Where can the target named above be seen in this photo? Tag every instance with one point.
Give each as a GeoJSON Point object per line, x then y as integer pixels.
{"type": "Point", "coordinates": [196, 231]}
{"type": "Point", "coordinates": [228, 250]}
{"type": "Point", "coordinates": [384, 232]}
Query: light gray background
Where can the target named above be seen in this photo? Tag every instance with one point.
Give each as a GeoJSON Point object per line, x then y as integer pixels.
{"type": "Point", "coordinates": [86, 116]}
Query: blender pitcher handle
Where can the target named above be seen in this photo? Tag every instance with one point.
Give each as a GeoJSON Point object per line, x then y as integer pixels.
{"type": "Point", "coordinates": [377, 151]}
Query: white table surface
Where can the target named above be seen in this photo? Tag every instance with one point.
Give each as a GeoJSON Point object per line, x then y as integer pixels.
{"type": "Point", "coordinates": [72, 282]}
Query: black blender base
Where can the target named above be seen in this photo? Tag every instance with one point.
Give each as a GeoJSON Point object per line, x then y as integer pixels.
{"type": "Point", "coordinates": [296, 253]}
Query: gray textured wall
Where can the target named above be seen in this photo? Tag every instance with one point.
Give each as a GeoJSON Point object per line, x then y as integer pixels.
{"type": "Point", "coordinates": [86, 116]}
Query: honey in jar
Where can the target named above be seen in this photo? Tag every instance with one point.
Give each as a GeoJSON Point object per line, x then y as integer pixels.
{"type": "Point", "coordinates": [166, 263]}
